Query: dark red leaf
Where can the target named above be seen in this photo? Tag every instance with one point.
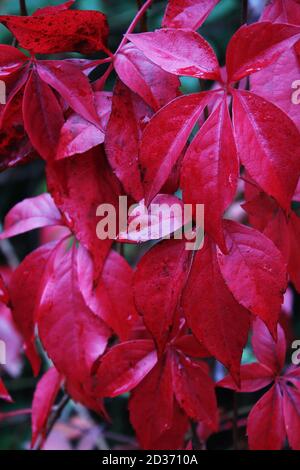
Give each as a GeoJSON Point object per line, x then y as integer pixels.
{"type": "Point", "coordinates": [79, 185]}
{"type": "Point", "coordinates": [271, 160]}
{"type": "Point", "coordinates": [210, 169]}
{"type": "Point", "coordinates": [256, 46]}
{"type": "Point", "coordinates": [70, 332]}
{"type": "Point", "coordinates": [128, 118]}
{"type": "Point", "coordinates": [194, 390]}
{"type": "Point", "coordinates": [63, 31]}
{"type": "Point", "coordinates": [291, 410]}
{"type": "Point", "coordinates": [175, 123]}
{"type": "Point", "coordinates": [124, 367]}
{"type": "Point", "coordinates": [179, 51]}
{"type": "Point", "coordinates": [72, 85]}
{"type": "Point", "coordinates": [111, 298]}
{"type": "Point", "coordinates": [188, 14]}
{"type": "Point", "coordinates": [150, 417]}
{"type": "Point", "coordinates": [78, 135]}
{"type": "Point", "coordinates": [31, 213]}
{"type": "Point", "coordinates": [26, 288]}
{"type": "Point", "coordinates": [155, 86]}
{"type": "Point", "coordinates": [254, 377]}
{"type": "Point", "coordinates": [43, 400]}
{"type": "Point", "coordinates": [11, 60]}
{"type": "Point", "coordinates": [4, 395]}
{"type": "Point", "coordinates": [158, 283]}
{"type": "Point", "coordinates": [214, 316]}
{"type": "Point", "coordinates": [254, 271]}
{"type": "Point", "coordinates": [269, 352]}
{"type": "Point", "coordinates": [265, 426]}
{"type": "Point", "coordinates": [43, 117]}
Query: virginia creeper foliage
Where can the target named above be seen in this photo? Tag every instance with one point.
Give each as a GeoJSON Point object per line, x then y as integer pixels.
{"type": "Point", "coordinates": [156, 328]}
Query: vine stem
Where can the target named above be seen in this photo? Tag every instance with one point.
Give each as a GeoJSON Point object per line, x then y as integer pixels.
{"type": "Point", "coordinates": [98, 86]}
{"type": "Point", "coordinates": [23, 8]}
{"type": "Point", "coordinates": [244, 11]}
{"type": "Point", "coordinates": [144, 25]}
{"type": "Point", "coordinates": [57, 411]}
{"type": "Point", "coordinates": [13, 414]}
{"type": "Point", "coordinates": [195, 438]}
{"type": "Point", "coordinates": [235, 431]}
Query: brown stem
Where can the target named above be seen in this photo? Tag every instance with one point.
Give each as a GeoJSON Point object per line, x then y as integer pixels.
{"type": "Point", "coordinates": [23, 8]}
{"type": "Point", "coordinates": [195, 438]}
{"type": "Point", "coordinates": [57, 411]}
{"type": "Point", "coordinates": [23, 12]}
{"type": "Point", "coordinates": [235, 431]}
{"type": "Point", "coordinates": [99, 85]}
{"type": "Point", "coordinates": [244, 16]}
{"type": "Point", "coordinates": [143, 21]}
{"type": "Point", "coordinates": [8, 252]}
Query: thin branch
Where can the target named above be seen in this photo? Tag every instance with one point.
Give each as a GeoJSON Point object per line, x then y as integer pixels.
{"type": "Point", "coordinates": [99, 85]}
{"type": "Point", "coordinates": [13, 414]}
{"type": "Point", "coordinates": [244, 16]}
{"type": "Point", "coordinates": [23, 12]}
{"type": "Point", "coordinates": [143, 21]}
{"type": "Point", "coordinates": [56, 413]}
{"type": "Point", "coordinates": [8, 252]}
{"type": "Point", "coordinates": [235, 430]}
{"type": "Point", "coordinates": [23, 8]}
{"type": "Point", "coordinates": [134, 22]}
{"type": "Point", "coordinates": [195, 438]}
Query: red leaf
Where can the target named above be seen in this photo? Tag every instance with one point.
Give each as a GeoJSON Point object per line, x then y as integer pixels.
{"type": "Point", "coordinates": [274, 83]}
{"type": "Point", "coordinates": [256, 46]}
{"type": "Point", "coordinates": [43, 117]}
{"type": "Point", "coordinates": [194, 390]}
{"type": "Point", "coordinates": [26, 287]}
{"type": "Point", "coordinates": [43, 400]}
{"type": "Point", "coordinates": [152, 417]}
{"type": "Point", "coordinates": [175, 123]}
{"type": "Point", "coordinates": [254, 271]}
{"type": "Point", "coordinates": [11, 60]}
{"type": "Point", "coordinates": [158, 283]}
{"type": "Point", "coordinates": [111, 298]}
{"type": "Point", "coordinates": [155, 86]}
{"type": "Point", "coordinates": [72, 85]}
{"type": "Point", "coordinates": [291, 407]}
{"type": "Point", "coordinates": [282, 11]}
{"type": "Point", "coordinates": [97, 184]}
{"type": "Point", "coordinates": [265, 426]}
{"type": "Point", "coordinates": [123, 367]}
{"type": "Point", "coordinates": [173, 438]}
{"type": "Point", "coordinates": [189, 346]}
{"type": "Point", "coordinates": [70, 332]}
{"type": "Point", "coordinates": [164, 216]}
{"type": "Point", "coordinates": [128, 118]}
{"type": "Point", "coordinates": [78, 135]}
{"type": "Point", "coordinates": [269, 352]}
{"type": "Point", "coordinates": [210, 169]}
{"type": "Point", "coordinates": [4, 295]}
{"type": "Point", "coordinates": [254, 377]}
{"type": "Point", "coordinates": [179, 51]}
{"type": "Point", "coordinates": [188, 14]}
{"type": "Point", "coordinates": [31, 213]}
{"type": "Point", "coordinates": [271, 160]}
{"type": "Point", "coordinates": [214, 316]}
{"type": "Point", "coordinates": [4, 395]}
{"type": "Point", "coordinates": [15, 147]}
{"type": "Point", "coordinates": [63, 31]}
{"type": "Point", "coordinates": [53, 9]}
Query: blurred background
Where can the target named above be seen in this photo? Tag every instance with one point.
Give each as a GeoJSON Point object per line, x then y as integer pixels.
{"type": "Point", "coordinates": [80, 428]}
